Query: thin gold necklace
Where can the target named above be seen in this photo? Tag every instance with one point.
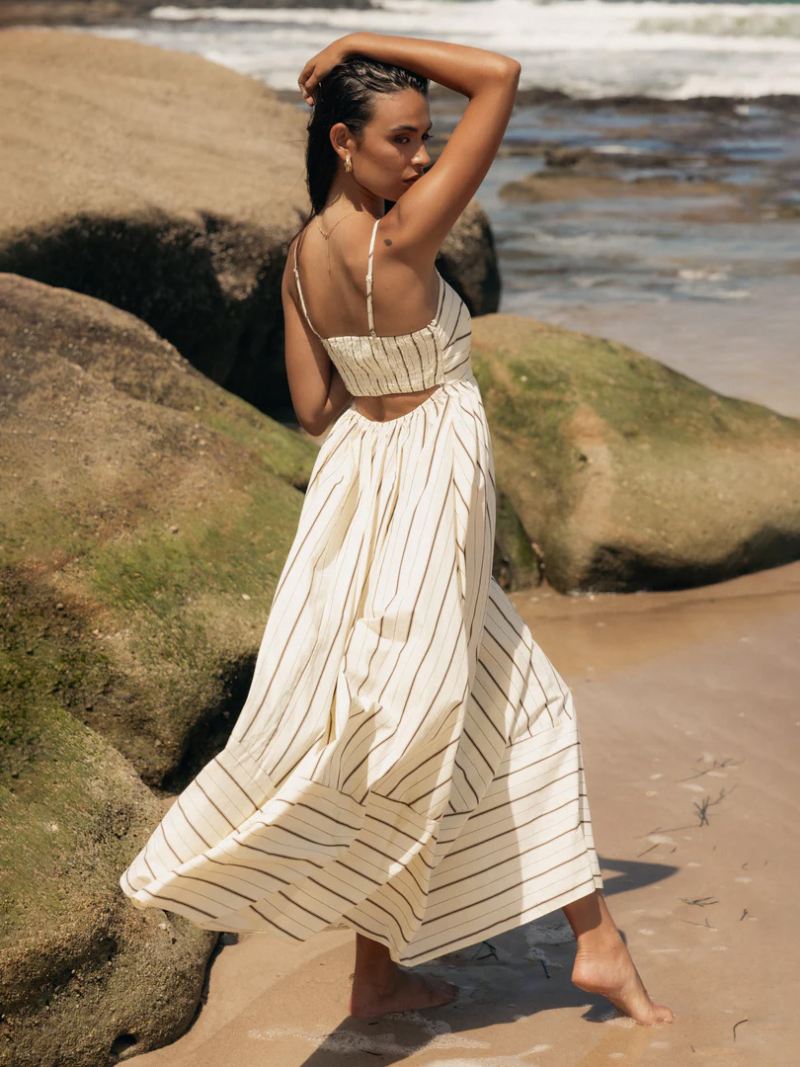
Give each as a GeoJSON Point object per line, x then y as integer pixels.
{"type": "Point", "coordinates": [330, 231]}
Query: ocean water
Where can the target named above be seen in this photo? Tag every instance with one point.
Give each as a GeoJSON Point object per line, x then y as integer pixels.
{"type": "Point", "coordinates": [583, 47]}
{"type": "Point", "coordinates": [709, 284]}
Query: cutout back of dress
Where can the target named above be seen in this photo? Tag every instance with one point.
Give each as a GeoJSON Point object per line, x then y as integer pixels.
{"type": "Point", "coordinates": [373, 365]}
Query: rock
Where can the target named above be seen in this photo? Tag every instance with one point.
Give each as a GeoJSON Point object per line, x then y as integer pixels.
{"type": "Point", "coordinates": [569, 184]}
{"type": "Point", "coordinates": [634, 104]}
{"type": "Point", "coordinates": [627, 474]}
{"type": "Point", "coordinates": [170, 187]}
{"type": "Point", "coordinates": [83, 975]}
{"type": "Point", "coordinates": [515, 564]}
{"type": "Point", "coordinates": [154, 507]}
{"type": "Point", "coordinates": [163, 184]}
{"type": "Point", "coordinates": [607, 159]}
{"type": "Point", "coordinates": [468, 261]}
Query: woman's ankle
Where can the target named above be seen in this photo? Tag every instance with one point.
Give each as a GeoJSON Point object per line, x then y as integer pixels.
{"type": "Point", "coordinates": [374, 966]}
{"type": "Point", "coordinates": [599, 942]}
{"type": "Point", "coordinates": [592, 923]}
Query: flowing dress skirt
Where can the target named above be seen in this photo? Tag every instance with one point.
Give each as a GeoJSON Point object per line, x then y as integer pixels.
{"type": "Point", "coordinates": [407, 761]}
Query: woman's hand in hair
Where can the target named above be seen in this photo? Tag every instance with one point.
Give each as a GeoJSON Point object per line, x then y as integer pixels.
{"type": "Point", "coordinates": [318, 66]}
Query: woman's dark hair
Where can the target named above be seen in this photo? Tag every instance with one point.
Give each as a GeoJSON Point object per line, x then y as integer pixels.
{"type": "Point", "coordinates": [346, 94]}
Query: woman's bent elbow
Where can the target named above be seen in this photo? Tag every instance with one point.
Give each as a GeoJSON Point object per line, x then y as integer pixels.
{"type": "Point", "coordinates": [318, 425]}
{"type": "Point", "coordinates": [512, 67]}
{"type": "Point", "coordinates": [313, 429]}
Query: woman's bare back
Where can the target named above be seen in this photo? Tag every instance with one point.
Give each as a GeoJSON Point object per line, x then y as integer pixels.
{"type": "Point", "coordinates": [333, 273]}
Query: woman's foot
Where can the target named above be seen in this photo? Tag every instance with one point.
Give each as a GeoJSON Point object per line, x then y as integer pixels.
{"type": "Point", "coordinates": [603, 963]}
{"type": "Point", "coordinates": [381, 986]}
{"type": "Point", "coordinates": [409, 991]}
{"type": "Point", "coordinates": [612, 974]}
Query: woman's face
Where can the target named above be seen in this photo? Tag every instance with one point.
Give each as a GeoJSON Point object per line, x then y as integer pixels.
{"type": "Point", "coordinates": [392, 148]}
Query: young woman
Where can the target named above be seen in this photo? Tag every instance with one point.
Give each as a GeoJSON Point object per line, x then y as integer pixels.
{"type": "Point", "coordinates": [407, 761]}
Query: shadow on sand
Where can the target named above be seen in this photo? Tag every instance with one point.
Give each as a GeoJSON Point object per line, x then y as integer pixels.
{"type": "Point", "coordinates": [516, 974]}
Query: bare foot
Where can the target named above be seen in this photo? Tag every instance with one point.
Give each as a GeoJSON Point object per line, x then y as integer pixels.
{"type": "Point", "coordinates": [611, 972]}
{"type": "Point", "coordinates": [408, 991]}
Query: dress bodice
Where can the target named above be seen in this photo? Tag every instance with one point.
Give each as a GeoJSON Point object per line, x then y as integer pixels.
{"type": "Point", "coordinates": [377, 365]}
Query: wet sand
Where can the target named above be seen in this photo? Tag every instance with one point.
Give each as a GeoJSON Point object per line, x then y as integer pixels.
{"type": "Point", "coordinates": [690, 726]}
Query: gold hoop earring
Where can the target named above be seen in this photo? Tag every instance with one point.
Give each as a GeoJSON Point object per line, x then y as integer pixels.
{"type": "Point", "coordinates": [348, 166]}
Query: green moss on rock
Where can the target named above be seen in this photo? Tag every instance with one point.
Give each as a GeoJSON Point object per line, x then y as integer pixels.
{"type": "Point", "coordinates": [79, 967]}
{"type": "Point", "coordinates": [157, 508]}
{"type": "Point", "coordinates": [629, 474]}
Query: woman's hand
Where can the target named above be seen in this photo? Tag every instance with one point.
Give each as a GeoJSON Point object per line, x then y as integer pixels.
{"type": "Point", "coordinates": [318, 66]}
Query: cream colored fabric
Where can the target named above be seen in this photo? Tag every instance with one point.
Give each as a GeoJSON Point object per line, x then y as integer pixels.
{"type": "Point", "coordinates": [407, 759]}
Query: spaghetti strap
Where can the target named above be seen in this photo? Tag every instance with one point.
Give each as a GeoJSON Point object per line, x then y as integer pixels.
{"type": "Point", "coordinates": [300, 291]}
{"type": "Point", "coordinates": [369, 279]}
{"type": "Point", "coordinates": [369, 284]}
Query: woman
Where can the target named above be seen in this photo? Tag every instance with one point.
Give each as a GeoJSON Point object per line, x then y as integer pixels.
{"type": "Point", "coordinates": [407, 761]}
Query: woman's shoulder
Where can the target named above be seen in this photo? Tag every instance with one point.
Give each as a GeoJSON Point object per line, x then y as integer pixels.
{"type": "Point", "coordinates": [346, 251]}
{"type": "Point", "coordinates": [399, 242]}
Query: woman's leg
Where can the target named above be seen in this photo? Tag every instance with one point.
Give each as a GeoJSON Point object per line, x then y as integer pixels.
{"type": "Point", "coordinates": [380, 985]}
{"type": "Point", "coordinates": [604, 965]}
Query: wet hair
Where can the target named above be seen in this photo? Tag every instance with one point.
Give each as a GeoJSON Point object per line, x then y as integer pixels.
{"type": "Point", "coordinates": [347, 94]}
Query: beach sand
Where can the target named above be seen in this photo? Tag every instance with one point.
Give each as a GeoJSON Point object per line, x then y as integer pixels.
{"type": "Point", "coordinates": [690, 726]}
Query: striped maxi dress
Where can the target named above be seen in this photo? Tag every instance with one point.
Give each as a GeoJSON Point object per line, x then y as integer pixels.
{"type": "Point", "coordinates": [407, 761]}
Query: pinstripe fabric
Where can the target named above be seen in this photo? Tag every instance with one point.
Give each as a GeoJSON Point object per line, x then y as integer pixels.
{"type": "Point", "coordinates": [407, 760]}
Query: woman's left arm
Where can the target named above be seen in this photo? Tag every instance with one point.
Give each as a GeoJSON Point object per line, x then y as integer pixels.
{"type": "Point", "coordinates": [317, 391]}
{"type": "Point", "coordinates": [339, 398]}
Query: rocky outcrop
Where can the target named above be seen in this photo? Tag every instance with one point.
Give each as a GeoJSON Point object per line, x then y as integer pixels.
{"type": "Point", "coordinates": [468, 261]}
{"type": "Point", "coordinates": [568, 183]}
{"type": "Point", "coordinates": [626, 474]}
{"type": "Point", "coordinates": [146, 516]}
{"type": "Point", "coordinates": [157, 510]}
{"type": "Point", "coordinates": [84, 977]}
{"type": "Point", "coordinates": [170, 187]}
{"type": "Point", "coordinates": [164, 184]}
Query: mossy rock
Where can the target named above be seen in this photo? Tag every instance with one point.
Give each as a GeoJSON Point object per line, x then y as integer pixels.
{"type": "Point", "coordinates": [626, 474]}
{"type": "Point", "coordinates": [158, 510]}
{"type": "Point", "coordinates": [515, 564]}
{"type": "Point", "coordinates": [84, 977]}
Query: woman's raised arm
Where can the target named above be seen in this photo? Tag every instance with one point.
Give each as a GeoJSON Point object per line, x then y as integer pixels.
{"type": "Point", "coordinates": [427, 211]}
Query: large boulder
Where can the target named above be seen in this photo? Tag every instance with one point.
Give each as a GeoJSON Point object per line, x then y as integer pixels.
{"type": "Point", "coordinates": [156, 509]}
{"type": "Point", "coordinates": [468, 260]}
{"type": "Point", "coordinates": [84, 977]}
{"type": "Point", "coordinates": [170, 187]}
{"type": "Point", "coordinates": [146, 517]}
{"type": "Point", "coordinates": [626, 474]}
